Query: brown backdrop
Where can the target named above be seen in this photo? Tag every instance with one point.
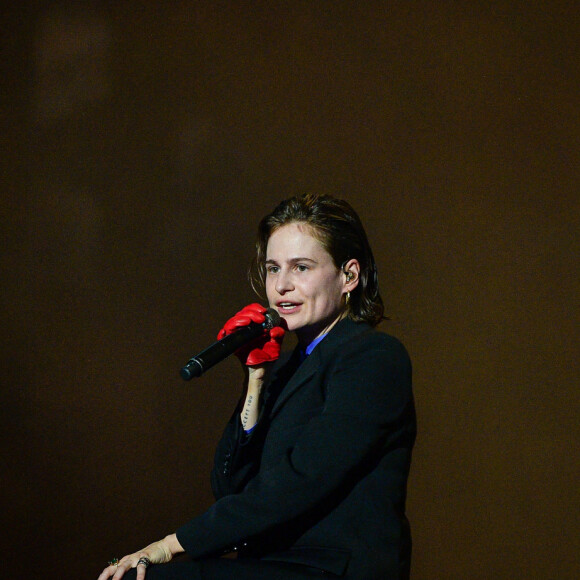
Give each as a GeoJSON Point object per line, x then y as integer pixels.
{"type": "Point", "coordinates": [142, 141]}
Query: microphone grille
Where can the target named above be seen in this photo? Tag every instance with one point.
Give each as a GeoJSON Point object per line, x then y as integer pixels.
{"type": "Point", "coordinates": [272, 318]}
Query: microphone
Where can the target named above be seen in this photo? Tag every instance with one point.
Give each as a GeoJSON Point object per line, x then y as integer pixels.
{"type": "Point", "coordinates": [221, 349]}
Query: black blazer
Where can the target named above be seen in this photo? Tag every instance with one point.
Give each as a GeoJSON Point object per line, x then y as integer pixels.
{"type": "Point", "coordinates": [321, 480]}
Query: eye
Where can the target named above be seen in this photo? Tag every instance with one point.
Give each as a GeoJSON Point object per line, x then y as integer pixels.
{"type": "Point", "coordinates": [302, 267]}
{"type": "Point", "coordinates": [272, 269]}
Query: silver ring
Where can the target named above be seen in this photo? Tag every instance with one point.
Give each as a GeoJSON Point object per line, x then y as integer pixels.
{"type": "Point", "coordinates": [143, 561]}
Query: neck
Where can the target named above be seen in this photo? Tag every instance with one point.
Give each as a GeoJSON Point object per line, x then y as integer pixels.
{"type": "Point", "coordinates": [308, 335]}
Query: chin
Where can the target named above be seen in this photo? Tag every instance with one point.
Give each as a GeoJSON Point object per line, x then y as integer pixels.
{"type": "Point", "coordinates": [292, 327]}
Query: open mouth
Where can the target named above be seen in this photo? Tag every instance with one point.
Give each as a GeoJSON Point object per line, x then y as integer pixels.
{"type": "Point", "coordinates": [287, 306]}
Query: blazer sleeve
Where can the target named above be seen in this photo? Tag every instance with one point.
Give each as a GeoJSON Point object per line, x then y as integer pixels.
{"type": "Point", "coordinates": [221, 480]}
{"type": "Point", "coordinates": [367, 407]}
{"type": "Point", "coordinates": [234, 462]}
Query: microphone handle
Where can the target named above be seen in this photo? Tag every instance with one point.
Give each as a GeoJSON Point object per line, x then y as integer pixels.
{"type": "Point", "coordinates": [220, 350]}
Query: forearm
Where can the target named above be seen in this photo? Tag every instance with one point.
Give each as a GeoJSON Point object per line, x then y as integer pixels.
{"type": "Point", "coordinates": [250, 410]}
{"type": "Point", "coordinates": [231, 465]}
{"type": "Point", "coordinates": [251, 407]}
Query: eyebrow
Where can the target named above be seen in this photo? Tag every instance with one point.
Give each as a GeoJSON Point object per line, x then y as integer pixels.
{"type": "Point", "coordinates": [292, 261]}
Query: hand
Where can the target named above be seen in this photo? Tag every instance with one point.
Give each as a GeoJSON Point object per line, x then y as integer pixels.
{"type": "Point", "coordinates": [157, 553]}
{"type": "Point", "coordinates": [265, 348]}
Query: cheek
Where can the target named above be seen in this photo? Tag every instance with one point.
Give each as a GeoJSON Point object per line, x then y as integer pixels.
{"type": "Point", "coordinates": [330, 297]}
{"type": "Point", "coordinates": [269, 289]}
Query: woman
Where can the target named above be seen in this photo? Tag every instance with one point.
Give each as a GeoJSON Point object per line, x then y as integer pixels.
{"type": "Point", "coordinates": [310, 474]}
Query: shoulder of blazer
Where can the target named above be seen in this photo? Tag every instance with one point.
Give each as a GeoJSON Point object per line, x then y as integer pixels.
{"type": "Point", "coordinates": [353, 340]}
{"type": "Point", "coordinates": [348, 335]}
{"type": "Point", "coordinates": [343, 332]}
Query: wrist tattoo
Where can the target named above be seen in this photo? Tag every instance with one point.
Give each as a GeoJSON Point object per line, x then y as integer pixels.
{"type": "Point", "coordinates": [247, 408]}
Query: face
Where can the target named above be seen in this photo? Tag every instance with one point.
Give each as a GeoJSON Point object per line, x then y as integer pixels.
{"type": "Point", "coordinates": [302, 282]}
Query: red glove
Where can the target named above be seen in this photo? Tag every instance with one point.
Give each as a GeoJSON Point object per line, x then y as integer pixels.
{"type": "Point", "coordinates": [265, 348]}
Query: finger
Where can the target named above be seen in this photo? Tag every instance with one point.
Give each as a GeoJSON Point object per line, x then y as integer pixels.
{"type": "Point", "coordinates": [277, 332]}
{"type": "Point", "coordinates": [234, 323]}
{"type": "Point", "coordinates": [105, 574]}
{"type": "Point", "coordinates": [255, 307]}
{"type": "Point", "coordinates": [121, 569]}
{"type": "Point", "coordinates": [238, 322]}
{"type": "Point", "coordinates": [256, 311]}
{"type": "Point", "coordinates": [142, 564]}
{"type": "Point", "coordinates": [108, 572]}
{"type": "Point", "coordinates": [242, 320]}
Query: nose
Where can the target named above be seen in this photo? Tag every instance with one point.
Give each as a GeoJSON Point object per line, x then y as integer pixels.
{"type": "Point", "coordinates": [283, 282]}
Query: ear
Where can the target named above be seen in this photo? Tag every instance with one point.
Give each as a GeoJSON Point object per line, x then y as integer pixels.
{"type": "Point", "coordinates": [351, 271]}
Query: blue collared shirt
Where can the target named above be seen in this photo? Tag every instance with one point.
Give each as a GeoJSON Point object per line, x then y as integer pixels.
{"type": "Point", "coordinates": [306, 352]}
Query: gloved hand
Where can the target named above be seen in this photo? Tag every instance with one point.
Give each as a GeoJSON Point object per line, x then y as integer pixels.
{"type": "Point", "coordinates": [265, 348]}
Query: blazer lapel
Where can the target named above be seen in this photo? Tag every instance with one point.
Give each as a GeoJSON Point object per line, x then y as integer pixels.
{"type": "Point", "coordinates": [282, 373]}
{"type": "Point", "coordinates": [341, 333]}
{"type": "Point", "coordinates": [302, 374]}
